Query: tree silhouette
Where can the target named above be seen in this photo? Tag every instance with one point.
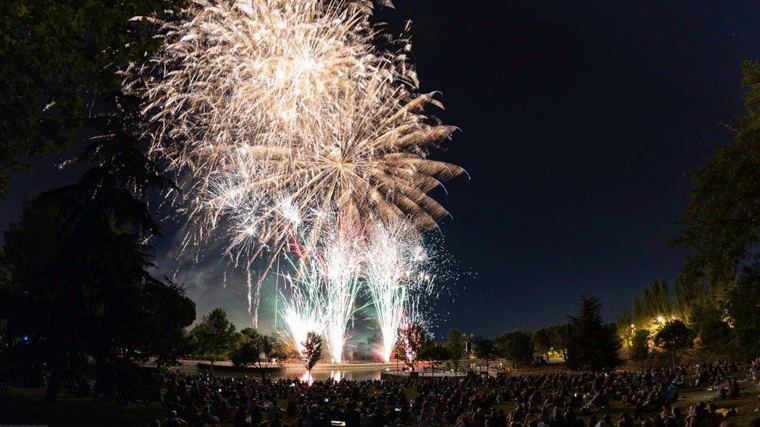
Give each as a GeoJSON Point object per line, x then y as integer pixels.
{"type": "Point", "coordinates": [722, 221]}
{"type": "Point", "coordinates": [673, 337]}
{"type": "Point", "coordinates": [516, 347]}
{"type": "Point", "coordinates": [78, 258]}
{"type": "Point", "coordinates": [542, 340]}
{"type": "Point", "coordinates": [433, 353]}
{"type": "Point", "coordinates": [486, 351]}
{"type": "Point", "coordinates": [58, 57]}
{"type": "Point", "coordinates": [640, 346]}
{"type": "Point", "coordinates": [455, 346]}
{"type": "Point", "coordinates": [409, 342]}
{"type": "Point", "coordinates": [312, 350]}
{"type": "Point", "coordinates": [215, 334]}
{"type": "Point", "coordinates": [246, 354]}
{"type": "Point", "coordinates": [592, 344]}
{"type": "Point", "coordinates": [560, 336]}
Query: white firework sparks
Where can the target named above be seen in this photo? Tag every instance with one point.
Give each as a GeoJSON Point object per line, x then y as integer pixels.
{"type": "Point", "coordinates": [396, 276]}
{"type": "Point", "coordinates": [341, 257]}
{"type": "Point", "coordinates": [304, 308]}
{"type": "Point", "coordinates": [268, 111]}
{"type": "Point", "coordinates": [323, 298]}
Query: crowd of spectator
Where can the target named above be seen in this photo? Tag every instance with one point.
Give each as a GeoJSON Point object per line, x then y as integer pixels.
{"type": "Point", "coordinates": [559, 399]}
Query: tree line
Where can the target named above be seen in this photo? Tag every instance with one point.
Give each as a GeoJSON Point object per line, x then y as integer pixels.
{"type": "Point", "coordinates": [712, 305]}
{"type": "Point", "coordinates": [585, 342]}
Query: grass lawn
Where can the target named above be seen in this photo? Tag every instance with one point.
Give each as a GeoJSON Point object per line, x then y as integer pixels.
{"type": "Point", "coordinates": [26, 406]}
{"type": "Point", "coordinates": [746, 404]}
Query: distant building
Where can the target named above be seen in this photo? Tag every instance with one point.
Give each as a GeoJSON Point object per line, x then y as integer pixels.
{"type": "Point", "coordinates": [468, 342]}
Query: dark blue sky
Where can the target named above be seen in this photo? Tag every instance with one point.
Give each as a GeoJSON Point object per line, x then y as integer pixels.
{"type": "Point", "coordinates": [578, 120]}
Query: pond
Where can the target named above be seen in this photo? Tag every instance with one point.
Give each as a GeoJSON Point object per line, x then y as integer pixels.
{"type": "Point", "coordinates": [319, 373]}
{"type": "Point", "coordinates": [337, 375]}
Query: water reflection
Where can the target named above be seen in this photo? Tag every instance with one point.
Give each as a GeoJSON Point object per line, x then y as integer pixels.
{"type": "Point", "coordinates": [335, 375]}
{"type": "Point", "coordinates": [317, 374]}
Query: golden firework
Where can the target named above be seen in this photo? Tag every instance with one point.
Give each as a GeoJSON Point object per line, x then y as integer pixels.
{"type": "Point", "coordinates": [270, 112]}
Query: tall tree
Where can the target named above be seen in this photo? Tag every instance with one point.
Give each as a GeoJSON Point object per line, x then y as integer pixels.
{"type": "Point", "coordinates": [722, 218]}
{"type": "Point", "coordinates": [673, 337]}
{"type": "Point", "coordinates": [455, 346]}
{"type": "Point", "coordinates": [165, 312]}
{"type": "Point", "coordinates": [486, 351]}
{"type": "Point", "coordinates": [245, 350]}
{"type": "Point", "coordinates": [593, 345]}
{"type": "Point", "coordinates": [409, 342]}
{"type": "Point", "coordinates": [215, 334]}
{"type": "Point", "coordinates": [640, 346]}
{"type": "Point", "coordinates": [244, 335]}
{"type": "Point", "coordinates": [560, 335]}
{"type": "Point", "coordinates": [516, 347]}
{"type": "Point", "coordinates": [271, 348]}
{"type": "Point", "coordinates": [312, 350]}
{"type": "Point", "coordinates": [542, 340]}
{"type": "Point", "coordinates": [743, 303]}
{"type": "Point", "coordinates": [625, 327]}
{"type": "Point", "coordinates": [58, 57]}
{"type": "Point", "coordinates": [433, 353]}
{"type": "Point", "coordinates": [715, 335]}
{"type": "Point", "coordinates": [78, 258]}
{"type": "Point", "coordinates": [245, 354]}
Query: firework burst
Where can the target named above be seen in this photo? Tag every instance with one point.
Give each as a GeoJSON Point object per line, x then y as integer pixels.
{"type": "Point", "coordinates": [272, 111]}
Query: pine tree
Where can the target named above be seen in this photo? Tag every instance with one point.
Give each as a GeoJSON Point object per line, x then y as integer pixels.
{"type": "Point", "coordinates": [592, 345]}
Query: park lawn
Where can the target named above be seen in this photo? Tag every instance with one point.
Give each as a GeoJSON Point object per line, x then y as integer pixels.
{"type": "Point", "coordinates": [746, 404]}
{"type": "Point", "coordinates": [26, 406]}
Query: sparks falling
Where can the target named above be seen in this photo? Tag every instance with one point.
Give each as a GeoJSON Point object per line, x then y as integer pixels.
{"type": "Point", "coordinates": [342, 259]}
{"type": "Point", "coordinates": [323, 299]}
{"type": "Point", "coordinates": [395, 273]}
{"type": "Point", "coordinates": [256, 103]}
{"type": "Point", "coordinates": [303, 309]}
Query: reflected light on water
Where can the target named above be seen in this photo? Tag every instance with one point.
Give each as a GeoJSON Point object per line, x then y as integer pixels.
{"type": "Point", "coordinates": [335, 375]}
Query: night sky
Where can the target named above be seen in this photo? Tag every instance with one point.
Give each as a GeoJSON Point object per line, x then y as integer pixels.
{"type": "Point", "coordinates": [578, 120]}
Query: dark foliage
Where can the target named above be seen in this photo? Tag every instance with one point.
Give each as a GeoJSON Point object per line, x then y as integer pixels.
{"type": "Point", "coordinates": [77, 260]}
{"type": "Point", "coordinates": [312, 350]}
{"type": "Point", "coordinates": [673, 337]}
{"type": "Point", "coordinates": [215, 334]}
{"type": "Point", "coordinates": [455, 346]}
{"type": "Point", "coordinates": [486, 351]}
{"type": "Point", "coordinates": [58, 57]}
{"type": "Point", "coordinates": [640, 346]}
{"type": "Point", "coordinates": [409, 342]}
{"type": "Point", "coordinates": [516, 347]}
{"type": "Point", "coordinates": [434, 354]}
{"type": "Point", "coordinates": [592, 344]}
{"type": "Point", "coordinates": [722, 221]}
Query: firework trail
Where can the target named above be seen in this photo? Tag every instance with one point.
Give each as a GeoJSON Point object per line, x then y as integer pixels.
{"type": "Point", "coordinates": [256, 102]}
{"type": "Point", "coordinates": [395, 272]}
{"type": "Point", "coordinates": [341, 257]}
{"type": "Point", "coordinates": [323, 298]}
{"type": "Point", "coordinates": [304, 308]}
